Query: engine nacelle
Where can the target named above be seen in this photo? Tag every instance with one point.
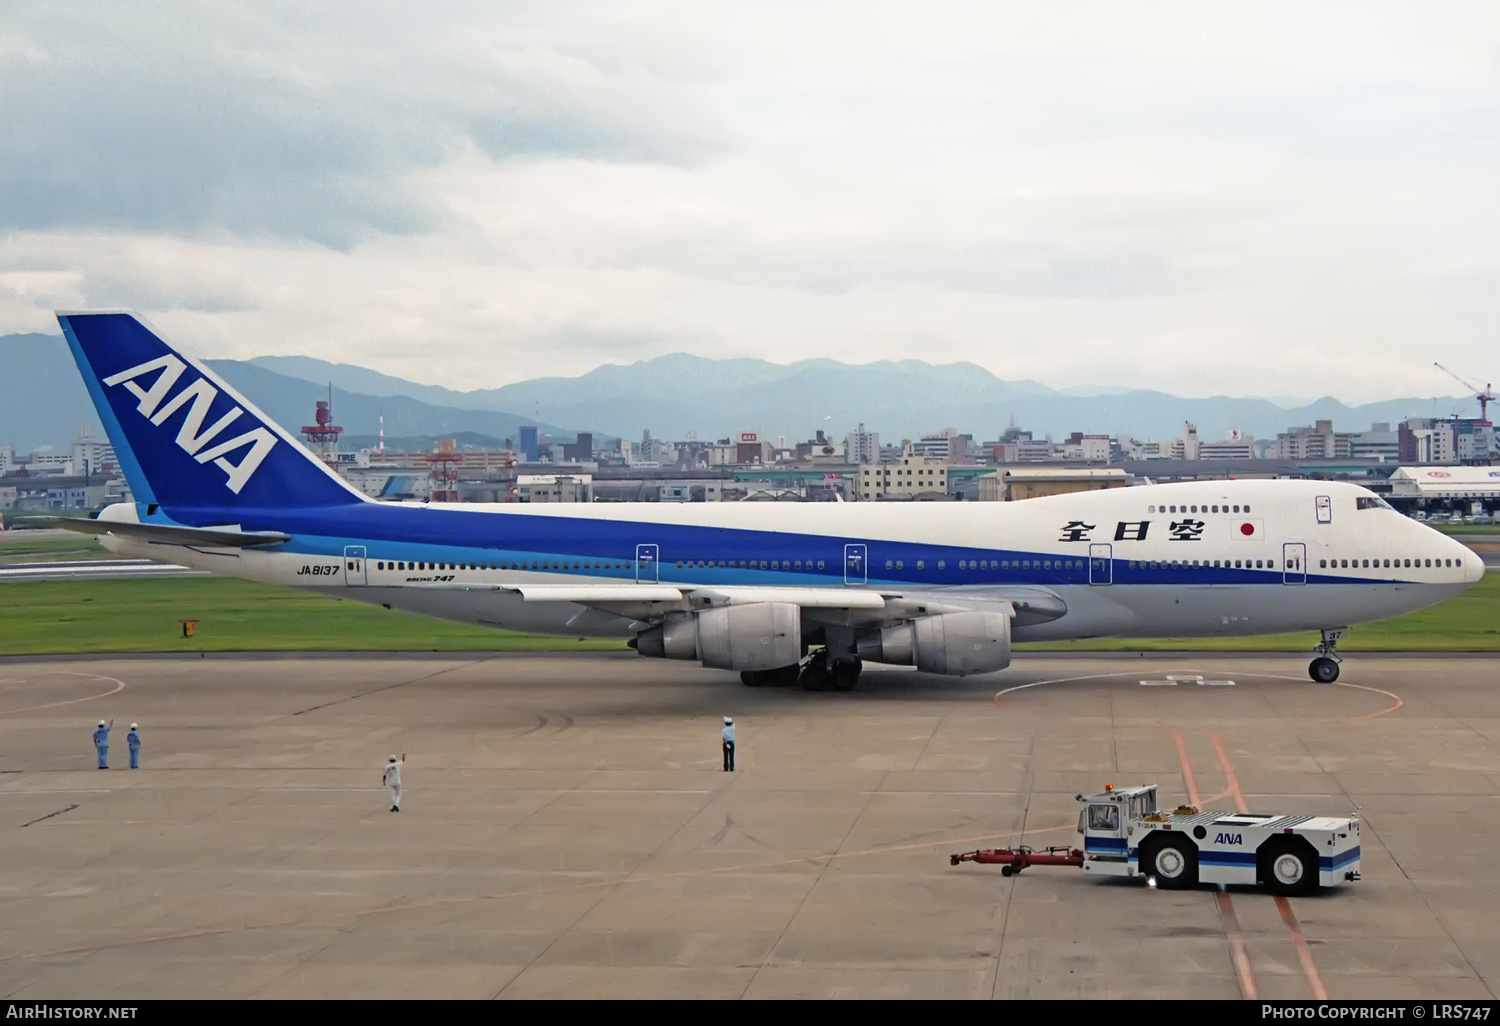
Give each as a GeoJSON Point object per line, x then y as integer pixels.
{"type": "Point", "coordinates": [953, 644]}
{"type": "Point", "coordinates": [756, 636]}
{"type": "Point", "coordinates": [675, 639]}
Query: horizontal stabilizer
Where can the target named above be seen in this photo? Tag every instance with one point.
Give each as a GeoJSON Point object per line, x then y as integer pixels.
{"type": "Point", "coordinates": [167, 534]}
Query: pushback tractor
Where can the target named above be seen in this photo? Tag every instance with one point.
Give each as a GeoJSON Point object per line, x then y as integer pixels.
{"type": "Point", "coordinates": [1126, 834]}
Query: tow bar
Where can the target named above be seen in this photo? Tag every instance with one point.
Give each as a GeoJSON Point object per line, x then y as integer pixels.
{"type": "Point", "coordinates": [1013, 860]}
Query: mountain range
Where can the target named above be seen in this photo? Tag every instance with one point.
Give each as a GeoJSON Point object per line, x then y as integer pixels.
{"type": "Point", "coordinates": [43, 401]}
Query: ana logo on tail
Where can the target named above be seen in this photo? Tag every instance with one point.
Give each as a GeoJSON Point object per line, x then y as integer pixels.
{"type": "Point", "coordinates": [192, 437]}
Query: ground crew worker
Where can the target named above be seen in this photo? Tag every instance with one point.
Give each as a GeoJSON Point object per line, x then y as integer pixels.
{"type": "Point", "coordinates": [728, 734]}
{"type": "Point", "coordinates": [101, 743]}
{"type": "Point", "coordinates": [133, 739]}
{"type": "Point", "coordinates": [392, 779]}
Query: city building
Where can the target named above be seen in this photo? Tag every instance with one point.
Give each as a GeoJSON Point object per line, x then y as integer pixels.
{"type": "Point", "coordinates": [530, 448]}
{"type": "Point", "coordinates": [1378, 443]}
{"type": "Point", "coordinates": [1014, 485]}
{"type": "Point", "coordinates": [862, 446]}
{"type": "Point", "coordinates": [1319, 442]}
{"type": "Point", "coordinates": [554, 488]}
{"type": "Point", "coordinates": [1236, 445]}
{"type": "Point", "coordinates": [913, 477]}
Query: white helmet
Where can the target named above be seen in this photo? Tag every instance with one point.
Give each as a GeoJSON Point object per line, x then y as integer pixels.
{"type": "Point", "coordinates": [134, 726]}
{"type": "Point", "coordinates": [728, 720]}
{"type": "Point", "coordinates": [101, 723]}
{"type": "Point", "coordinates": [391, 759]}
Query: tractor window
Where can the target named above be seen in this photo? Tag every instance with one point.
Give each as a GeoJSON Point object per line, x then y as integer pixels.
{"type": "Point", "coordinates": [1104, 817]}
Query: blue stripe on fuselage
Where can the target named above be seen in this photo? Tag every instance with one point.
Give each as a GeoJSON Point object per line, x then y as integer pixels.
{"type": "Point", "coordinates": [444, 535]}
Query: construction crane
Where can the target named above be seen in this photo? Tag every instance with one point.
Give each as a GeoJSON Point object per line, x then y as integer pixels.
{"type": "Point", "coordinates": [1485, 396]}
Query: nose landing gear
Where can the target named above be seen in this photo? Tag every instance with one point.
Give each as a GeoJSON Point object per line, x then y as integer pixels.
{"type": "Point", "coordinates": [1325, 668]}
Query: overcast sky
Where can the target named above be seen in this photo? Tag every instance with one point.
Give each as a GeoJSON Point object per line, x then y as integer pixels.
{"type": "Point", "coordinates": [1268, 199]}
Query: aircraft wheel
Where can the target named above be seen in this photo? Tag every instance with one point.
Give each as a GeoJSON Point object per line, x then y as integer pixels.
{"type": "Point", "coordinates": [815, 675]}
{"type": "Point", "coordinates": [844, 676]}
{"type": "Point", "coordinates": [786, 676]}
{"type": "Point", "coordinates": [752, 678]}
{"type": "Point", "coordinates": [1323, 670]}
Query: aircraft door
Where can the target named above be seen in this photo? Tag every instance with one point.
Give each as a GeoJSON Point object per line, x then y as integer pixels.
{"type": "Point", "coordinates": [1325, 509]}
{"type": "Point", "coordinates": [354, 566]}
{"type": "Point", "coordinates": [646, 564]}
{"type": "Point", "coordinates": [1101, 564]}
{"type": "Point", "coordinates": [1294, 563]}
{"type": "Point", "coordinates": [856, 564]}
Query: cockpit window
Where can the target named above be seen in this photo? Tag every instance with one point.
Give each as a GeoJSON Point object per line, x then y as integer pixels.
{"type": "Point", "coordinates": [1372, 502]}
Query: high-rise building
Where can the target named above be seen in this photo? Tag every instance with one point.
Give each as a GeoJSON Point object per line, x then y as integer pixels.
{"type": "Point", "coordinates": [529, 448]}
{"type": "Point", "coordinates": [862, 446]}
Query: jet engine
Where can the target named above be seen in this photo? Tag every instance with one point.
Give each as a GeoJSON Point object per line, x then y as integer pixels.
{"type": "Point", "coordinates": [755, 636]}
{"type": "Point", "coordinates": [954, 644]}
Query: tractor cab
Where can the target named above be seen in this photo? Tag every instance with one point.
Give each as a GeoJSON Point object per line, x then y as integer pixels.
{"type": "Point", "coordinates": [1106, 818]}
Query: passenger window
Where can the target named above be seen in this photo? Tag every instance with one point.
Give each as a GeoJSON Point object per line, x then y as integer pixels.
{"type": "Point", "coordinates": [900, 565]}
{"type": "Point", "coordinates": [797, 565]}
{"type": "Point", "coordinates": [1429, 562]}
{"type": "Point", "coordinates": [1258, 565]}
{"type": "Point", "coordinates": [1323, 563]}
{"type": "Point", "coordinates": [820, 564]}
{"type": "Point", "coordinates": [942, 564]}
{"type": "Point", "coordinates": [963, 564]}
{"type": "Point", "coordinates": [1104, 817]}
{"type": "Point", "coordinates": [921, 564]}
{"type": "Point", "coordinates": [1408, 562]}
{"type": "Point", "coordinates": [775, 565]}
{"type": "Point", "coordinates": [763, 564]}
{"type": "Point", "coordinates": [889, 564]}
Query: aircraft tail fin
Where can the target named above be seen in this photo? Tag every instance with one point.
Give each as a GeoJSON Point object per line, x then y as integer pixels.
{"type": "Point", "coordinates": [182, 435]}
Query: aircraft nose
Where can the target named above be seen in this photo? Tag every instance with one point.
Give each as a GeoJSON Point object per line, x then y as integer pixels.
{"type": "Point", "coordinates": [1473, 564]}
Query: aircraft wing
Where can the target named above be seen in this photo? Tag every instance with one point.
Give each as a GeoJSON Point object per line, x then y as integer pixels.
{"type": "Point", "coordinates": [863, 605]}
{"type": "Point", "coordinates": [167, 534]}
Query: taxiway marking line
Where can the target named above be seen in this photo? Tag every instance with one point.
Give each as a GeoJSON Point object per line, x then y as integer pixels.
{"type": "Point", "coordinates": [119, 686]}
{"type": "Point", "coordinates": [1194, 797]}
{"type": "Point", "coordinates": [1288, 917]}
{"type": "Point", "coordinates": [1239, 954]}
{"type": "Point", "coordinates": [1304, 953]}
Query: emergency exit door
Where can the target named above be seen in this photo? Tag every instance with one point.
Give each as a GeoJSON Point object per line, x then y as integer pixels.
{"type": "Point", "coordinates": [856, 568]}
{"type": "Point", "coordinates": [354, 565]}
{"type": "Point", "coordinates": [1101, 564]}
{"type": "Point", "coordinates": [646, 561]}
{"type": "Point", "coordinates": [1294, 563]}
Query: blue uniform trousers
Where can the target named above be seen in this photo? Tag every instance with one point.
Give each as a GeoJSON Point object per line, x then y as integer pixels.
{"type": "Point", "coordinates": [103, 751]}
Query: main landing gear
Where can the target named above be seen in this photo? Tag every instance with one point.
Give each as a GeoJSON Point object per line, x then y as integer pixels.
{"type": "Point", "coordinates": [1325, 668]}
{"type": "Point", "coordinates": [816, 675]}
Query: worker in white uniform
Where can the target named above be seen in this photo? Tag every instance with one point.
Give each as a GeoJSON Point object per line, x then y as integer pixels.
{"type": "Point", "coordinates": [728, 735]}
{"type": "Point", "coordinates": [392, 779]}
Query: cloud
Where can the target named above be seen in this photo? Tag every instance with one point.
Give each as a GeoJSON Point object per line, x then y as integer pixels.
{"type": "Point", "coordinates": [187, 120]}
{"type": "Point", "coordinates": [1273, 199]}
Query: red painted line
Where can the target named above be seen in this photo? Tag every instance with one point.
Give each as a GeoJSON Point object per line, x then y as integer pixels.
{"type": "Point", "coordinates": [1187, 771]}
{"type": "Point", "coordinates": [1238, 954]}
{"type": "Point", "coordinates": [1231, 781]}
{"type": "Point", "coordinates": [1304, 953]}
{"type": "Point", "coordinates": [1293, 928]}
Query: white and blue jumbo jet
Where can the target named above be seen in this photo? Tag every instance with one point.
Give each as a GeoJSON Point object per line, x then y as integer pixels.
{"type": "Point", "coordinates": [779, 592]}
